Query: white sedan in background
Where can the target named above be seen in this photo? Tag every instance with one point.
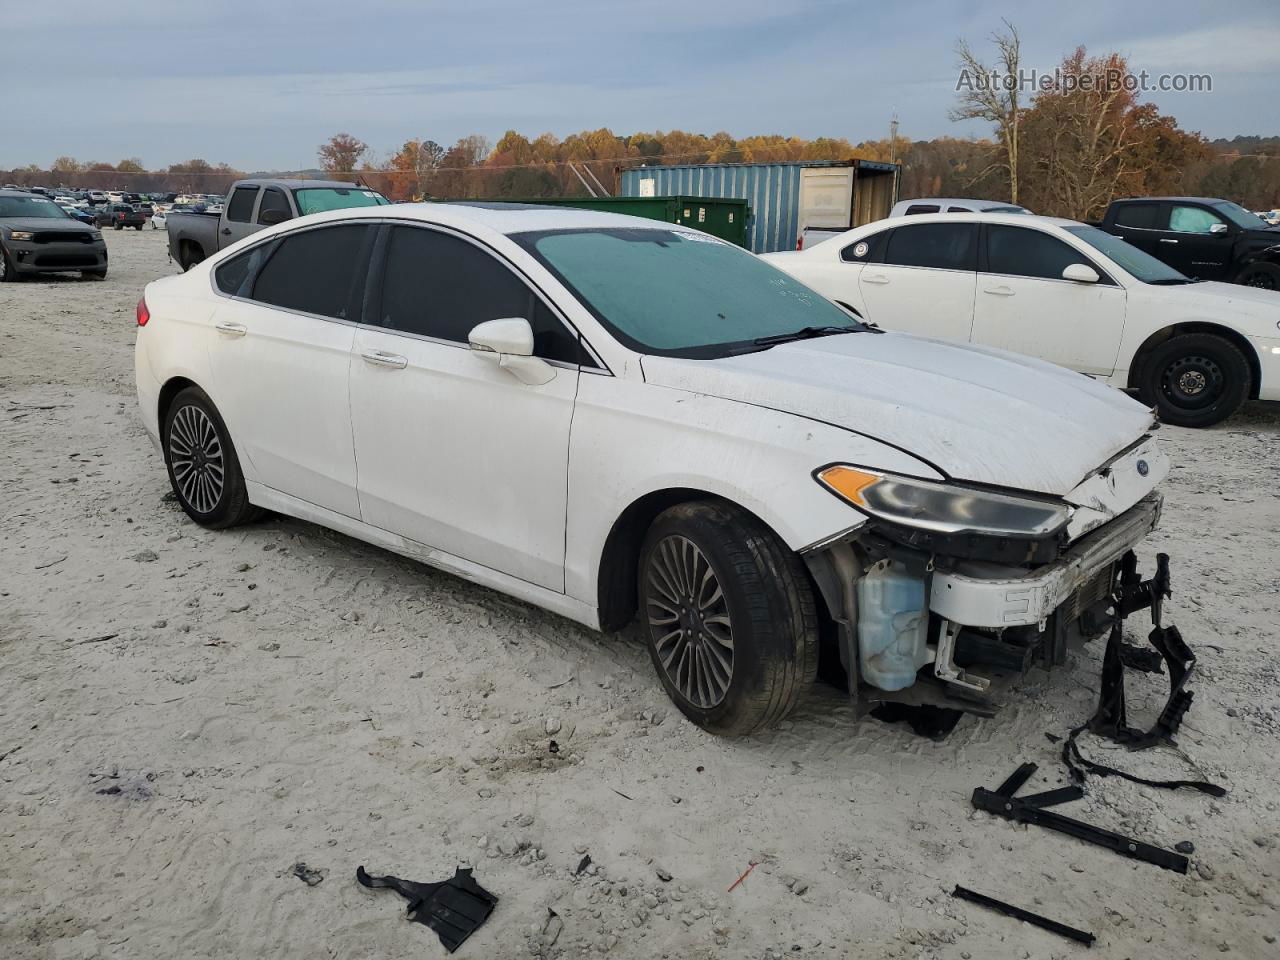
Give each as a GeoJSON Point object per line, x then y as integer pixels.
{"type": "Point", "coordinates": [602, 415]}
{"type": "Point", "coordinates": [1064, 292]}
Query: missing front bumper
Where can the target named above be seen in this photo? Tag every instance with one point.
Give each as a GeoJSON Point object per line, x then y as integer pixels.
{"type": "Point", "coordinates": [975, 594]}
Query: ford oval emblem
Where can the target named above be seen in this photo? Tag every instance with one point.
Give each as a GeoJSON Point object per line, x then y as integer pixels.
{"type": "Point", "coordinates": [1143, 469]}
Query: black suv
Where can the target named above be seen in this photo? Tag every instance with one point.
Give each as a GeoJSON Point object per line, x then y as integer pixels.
{"type": "Point", "coordinates": [1201, 237]}
{"type": "Point", "coordinates": [37, 237]}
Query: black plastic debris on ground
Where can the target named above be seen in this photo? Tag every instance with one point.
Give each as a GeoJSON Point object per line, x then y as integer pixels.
{"type": "Point", "coordinates": [582, 865]}
{"type": "Point", "coordinates": [925, 720]}
{"type": "Point", "coordinates": [309, 875]}
{"type": "Point", "coordinates": [1032, 808]}
{"type": "Point", "coordinates": [454, 908]}
{"type": "Point", "coordinates": [1008, 909]}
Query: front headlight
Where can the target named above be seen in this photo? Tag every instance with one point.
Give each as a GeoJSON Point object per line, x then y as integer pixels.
{"type": "Point", "coordinates": [96, 234]}
{"type": "Point", "coordinates": [941, 507]}
{"type": "Point", "coordinates": [21, 235]}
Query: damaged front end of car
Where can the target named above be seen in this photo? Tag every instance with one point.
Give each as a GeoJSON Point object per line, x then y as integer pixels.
{"type": "Point", "coordinates": [949, 593]}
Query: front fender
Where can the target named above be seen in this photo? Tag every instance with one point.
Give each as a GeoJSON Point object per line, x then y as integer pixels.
{"type": "Point", "coordinates": [632, 439]}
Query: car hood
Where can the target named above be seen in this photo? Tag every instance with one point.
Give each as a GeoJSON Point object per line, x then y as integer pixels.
{"type": "Point", "coordinates": [42, 223]}
{"type": "Point", "coordinates": [975, 413]}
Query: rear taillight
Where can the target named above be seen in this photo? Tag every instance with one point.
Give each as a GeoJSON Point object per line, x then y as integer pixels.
{"type": "Point", "coordinates": [800, 242]}
{"type": "Point", "coordinates": [143, 313]}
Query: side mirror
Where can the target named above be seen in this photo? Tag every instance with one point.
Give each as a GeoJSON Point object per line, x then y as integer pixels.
{"type": "Point", "coordinates": [1218, 228]}
{"type": "Point", "coordinates": [1080, 273]}
{"type": "Point", "coordinates": [269, 218]}
{"type": "Point", "coordinates": [509, 343]}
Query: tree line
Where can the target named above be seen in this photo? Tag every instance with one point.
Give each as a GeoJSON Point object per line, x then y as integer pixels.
{"type": "Point", "coordinates": [1063, 151]}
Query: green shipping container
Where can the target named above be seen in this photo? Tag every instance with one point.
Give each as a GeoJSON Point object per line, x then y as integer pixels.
{"type": "Point", "coordinates": [720, 217]}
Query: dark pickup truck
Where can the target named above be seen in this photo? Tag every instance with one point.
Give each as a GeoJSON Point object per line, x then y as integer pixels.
{"type": "Point", "coordinates": [121, 215]}
{"type": "Point", "coordinates": [253, 205]}
{"type": "Point", "coordinates": [1200, 237]}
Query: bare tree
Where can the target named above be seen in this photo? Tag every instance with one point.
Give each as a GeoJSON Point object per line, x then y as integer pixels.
{"type": "Point", "coordinates": [992, 94]}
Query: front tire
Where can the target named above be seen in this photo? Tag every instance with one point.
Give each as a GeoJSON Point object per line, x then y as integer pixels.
{"type": "Point", "coordinates": [1195, 379]}
{"type": "Point", "coordinates": [1264, 276]}
{"type": "Point", "coordinates": [204, 470]}
{"type": "Point", "coordinates": [8, 272]}
{"type": "Point", "coordinates": [730, 615]}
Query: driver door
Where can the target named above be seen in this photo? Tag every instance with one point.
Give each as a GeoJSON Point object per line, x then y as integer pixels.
{"type": "Point", "coordinates": [453, 451]}
{"type": "Point", "coordinates": [1024, 305]}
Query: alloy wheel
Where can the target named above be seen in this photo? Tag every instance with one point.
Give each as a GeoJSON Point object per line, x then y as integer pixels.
{"type": "Point", "coordinates": [196, 458]}
{"type": "Point", "coordinates": [689, 621]}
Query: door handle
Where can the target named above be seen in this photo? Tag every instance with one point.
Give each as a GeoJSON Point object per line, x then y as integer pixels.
{"type": "Point", "coordinates": [1167, 240]}
{"type": "Point", "coordinates": [875, 278]}
{"type": "Point", "coordinates": [231, 329]}
{"type": "Point", "coordinates": [379, 359]}
{"type": "Point", "coordinates": [226, 231]}
{"type": "Point", "coordinates": [998, 291]}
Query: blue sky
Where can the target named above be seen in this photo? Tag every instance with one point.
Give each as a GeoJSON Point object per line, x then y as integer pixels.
{"type": "Point", "coordinates": [260, 85]}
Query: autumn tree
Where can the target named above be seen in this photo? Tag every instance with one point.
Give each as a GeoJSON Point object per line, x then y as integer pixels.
{"type": "Point", "coordinates": [412, 167]}
{"type": "Point", "coordinates": [994, 96]}
{"type": "Point", "coordinates": [341, 154]}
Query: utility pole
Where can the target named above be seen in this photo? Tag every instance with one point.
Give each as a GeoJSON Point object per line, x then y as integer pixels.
{"type": "Point", "coordinates": [893, 138]}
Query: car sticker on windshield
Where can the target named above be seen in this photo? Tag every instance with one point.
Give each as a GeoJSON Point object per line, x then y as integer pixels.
{"type": "Point", "coordinates": [40, 200]}
{"type": "Point", "coordinates": [698, 237]}
{"type": "Point", "coordinates": [860, 248]}
{"type": "Point", "coordinates": [370, 194]}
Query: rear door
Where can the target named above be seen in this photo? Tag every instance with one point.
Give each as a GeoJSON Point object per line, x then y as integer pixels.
{"type": "Point", "coordinates": [237, 220]}
{"type": "Point", "coordinates": [925, 281]}
{"type": "Point", "coordinates": [455, 452]}
{"type": "Point", "coordinates": [281, 355]}
{"type": "Point", "coordinates": [1141, 223]}
{"type": "Point", "coordinates": [1024, 305]}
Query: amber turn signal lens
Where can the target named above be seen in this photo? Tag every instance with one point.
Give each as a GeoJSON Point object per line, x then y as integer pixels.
{"type": "Point", "coordinates": [848, 482]}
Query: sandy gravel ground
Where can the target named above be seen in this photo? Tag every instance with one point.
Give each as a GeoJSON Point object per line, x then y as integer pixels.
{"type": "Point", "coordinates": [185, 715]}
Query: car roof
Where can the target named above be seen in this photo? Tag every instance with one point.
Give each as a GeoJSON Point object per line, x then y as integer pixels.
{"type": "Point", "coordinates": [969, 200]}
{"type": "Point", "coordinates": [298, 183]}
{"type": "Point", "coordinates": [1169, 199]}
{"type": "Point", "coordinates": [507, 218]}
{"type": "Point", "coordinates": [1013, 219]}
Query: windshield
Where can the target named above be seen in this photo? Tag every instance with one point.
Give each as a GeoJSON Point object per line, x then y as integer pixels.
{"type": "Point", "coordinates": [40, 207]}
{"type": "Point", "coordinates": [319, 199]}
{"type": "Point", "coordinates": [1141, 265]}
{"type": "Point", "coordinates": [1240, 216]}
{"type": "Point", "coordinates": [681, 294]}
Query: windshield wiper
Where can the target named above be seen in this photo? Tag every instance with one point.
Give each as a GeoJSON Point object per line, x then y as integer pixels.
{"type": "Point", "coordinates": [804, 333]}
{"type": "Point", "coordinates": [1174, 281]}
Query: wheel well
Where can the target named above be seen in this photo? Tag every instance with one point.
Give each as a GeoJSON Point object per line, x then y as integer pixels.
{"type": "Point", "coordinates": [1136, 369]}
{"type": "Point", "coordinates": [170, 390]}
{"type": "Point", "coordinates": [616, 580]}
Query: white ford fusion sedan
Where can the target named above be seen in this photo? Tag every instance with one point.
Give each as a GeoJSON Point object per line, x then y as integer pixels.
{"type": "Point", "coordinates": [607, 416]}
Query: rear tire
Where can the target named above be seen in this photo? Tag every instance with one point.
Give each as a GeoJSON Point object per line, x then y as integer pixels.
{"type": "Point", "coordinates": [1195, 379]}
{"type": "Point", "coordinates": [189, 255]}
{"type": "Point", "coordinates": [203, 467]}
{"type": "Point", "coordinates": [730, 616]}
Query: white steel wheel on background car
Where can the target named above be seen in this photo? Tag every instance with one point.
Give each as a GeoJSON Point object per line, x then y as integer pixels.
{"type": "Point", "coordinates": [202, 464]}
{"type": "Point", "coordinates": [730, 617]}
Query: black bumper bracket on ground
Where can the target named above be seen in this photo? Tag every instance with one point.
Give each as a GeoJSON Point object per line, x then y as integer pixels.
{"type": "Point", "coordinates": [1111, 718]}
{"type": "Point", "coordinates": [1001, 802]}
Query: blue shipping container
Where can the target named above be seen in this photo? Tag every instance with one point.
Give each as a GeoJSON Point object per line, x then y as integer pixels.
{"type": "Point", "coordinates": [772, 190]}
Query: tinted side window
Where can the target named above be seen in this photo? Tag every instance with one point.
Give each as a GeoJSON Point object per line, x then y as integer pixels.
{"type": "Point", "coordinates": [945, 246]}
{"type": "Point", "coordinates": [273, 199]}
{"type": "Point", "coordinates": [234, 276]}
{"type": "Point", "coordinates": [241, 207]}
{"type": "Point", "coordinates": [1143, 216]}
{"type": "Point", "coordinates": [314, 271]}
{"type": "Point", "coordinates": [921, 208]}
{"type": "Point", "coordinates": [867, 250]}
{"type": "Point", "coordinates": [958, 210]}
{"type": "Point", "coordinates": [1018, 252]}
{"type": "Point", "coordinates": [438, 285]}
